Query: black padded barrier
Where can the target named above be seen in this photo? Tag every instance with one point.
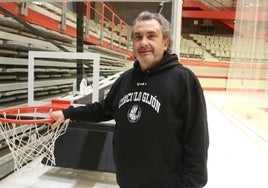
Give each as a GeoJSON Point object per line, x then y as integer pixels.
{"type": "Point", "coordinates": [86, 146]}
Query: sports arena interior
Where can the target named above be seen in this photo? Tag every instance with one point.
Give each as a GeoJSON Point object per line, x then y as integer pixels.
{"type": "Point", "coordinates": [224, 42]}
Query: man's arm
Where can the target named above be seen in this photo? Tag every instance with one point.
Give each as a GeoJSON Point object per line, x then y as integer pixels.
{"type": "Point", "coordinates": [196, 137]}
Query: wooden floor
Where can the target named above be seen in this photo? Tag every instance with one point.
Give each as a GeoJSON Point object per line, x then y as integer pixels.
{"type": "Point", "coordinates": [238, 157]}
{"type": "Point", "coordinates": [44, 177]}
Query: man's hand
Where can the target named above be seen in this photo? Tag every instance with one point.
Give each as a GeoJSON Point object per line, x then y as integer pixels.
{"type": "Point", "coordinates": [58, 117]}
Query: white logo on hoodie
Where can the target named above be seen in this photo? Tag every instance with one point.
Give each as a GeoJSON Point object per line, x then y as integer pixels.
{"type": "Point", "coordinates": [143, 97]}
{"type": "Point", "coordinates": [134, 113]}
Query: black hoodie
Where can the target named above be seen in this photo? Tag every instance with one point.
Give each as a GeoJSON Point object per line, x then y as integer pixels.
{"type": "Point", "coordinates": [161, 134]}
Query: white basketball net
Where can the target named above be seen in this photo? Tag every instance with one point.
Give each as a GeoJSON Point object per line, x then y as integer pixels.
{"type": "Point", "coordinates": [30, 141]}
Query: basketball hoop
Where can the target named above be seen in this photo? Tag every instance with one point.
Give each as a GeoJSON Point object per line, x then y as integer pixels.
{"type": "Point", "coordinates": [28, 133]}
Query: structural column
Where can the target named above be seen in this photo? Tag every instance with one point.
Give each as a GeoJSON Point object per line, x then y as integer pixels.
{"type": "Point", "coordinates": [176, 19]}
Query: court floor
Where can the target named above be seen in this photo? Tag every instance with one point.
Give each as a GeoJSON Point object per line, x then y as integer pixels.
{"type": "Point", "coordinates": [237, 158]}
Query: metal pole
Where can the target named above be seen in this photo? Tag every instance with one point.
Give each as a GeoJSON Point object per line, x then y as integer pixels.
{"type": "Point", "coordinates": [79, 42]}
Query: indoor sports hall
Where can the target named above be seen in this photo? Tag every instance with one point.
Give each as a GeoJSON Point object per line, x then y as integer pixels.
{"type": "Point", "coordinates": [54, 54]}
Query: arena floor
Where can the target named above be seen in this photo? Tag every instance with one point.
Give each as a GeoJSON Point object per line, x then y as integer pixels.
{"type": "Point", "coordinates": [237, 158]}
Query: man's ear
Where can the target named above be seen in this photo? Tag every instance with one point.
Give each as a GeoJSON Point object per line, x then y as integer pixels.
{"type": "Point", "coordinates": [166, 43]}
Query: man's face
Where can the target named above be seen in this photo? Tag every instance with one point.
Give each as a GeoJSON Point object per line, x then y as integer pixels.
{"type": "Point", "coordinates": [148, 43]}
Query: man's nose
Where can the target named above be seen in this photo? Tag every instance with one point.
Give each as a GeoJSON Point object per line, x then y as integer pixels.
{"type": "Point", "coordinates": [144, 40]}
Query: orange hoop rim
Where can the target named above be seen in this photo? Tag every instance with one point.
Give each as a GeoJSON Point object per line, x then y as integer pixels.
{"type": "Point", "coordinates": [27, 109]}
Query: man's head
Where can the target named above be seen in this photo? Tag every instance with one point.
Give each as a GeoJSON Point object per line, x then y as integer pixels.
{"type": "Point", "coordinates": [151, 35]}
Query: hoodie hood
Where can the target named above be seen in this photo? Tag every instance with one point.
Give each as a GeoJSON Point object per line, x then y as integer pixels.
{"type": "Point", "coordinates": [168, 61]}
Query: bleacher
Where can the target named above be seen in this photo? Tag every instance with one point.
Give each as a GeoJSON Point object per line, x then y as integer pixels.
{"type": "Point", "coordinates": [217, 46]}
{"type": "Point", "coordinates": [222, 48]}
{"type": "Point", "coordinates": [191, 49]}
{"type": "Point", "coordinates": [52, 77]}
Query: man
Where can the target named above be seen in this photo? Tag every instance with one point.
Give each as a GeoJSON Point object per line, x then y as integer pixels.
{"type": "Point", "coordinates": [161, 133]}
